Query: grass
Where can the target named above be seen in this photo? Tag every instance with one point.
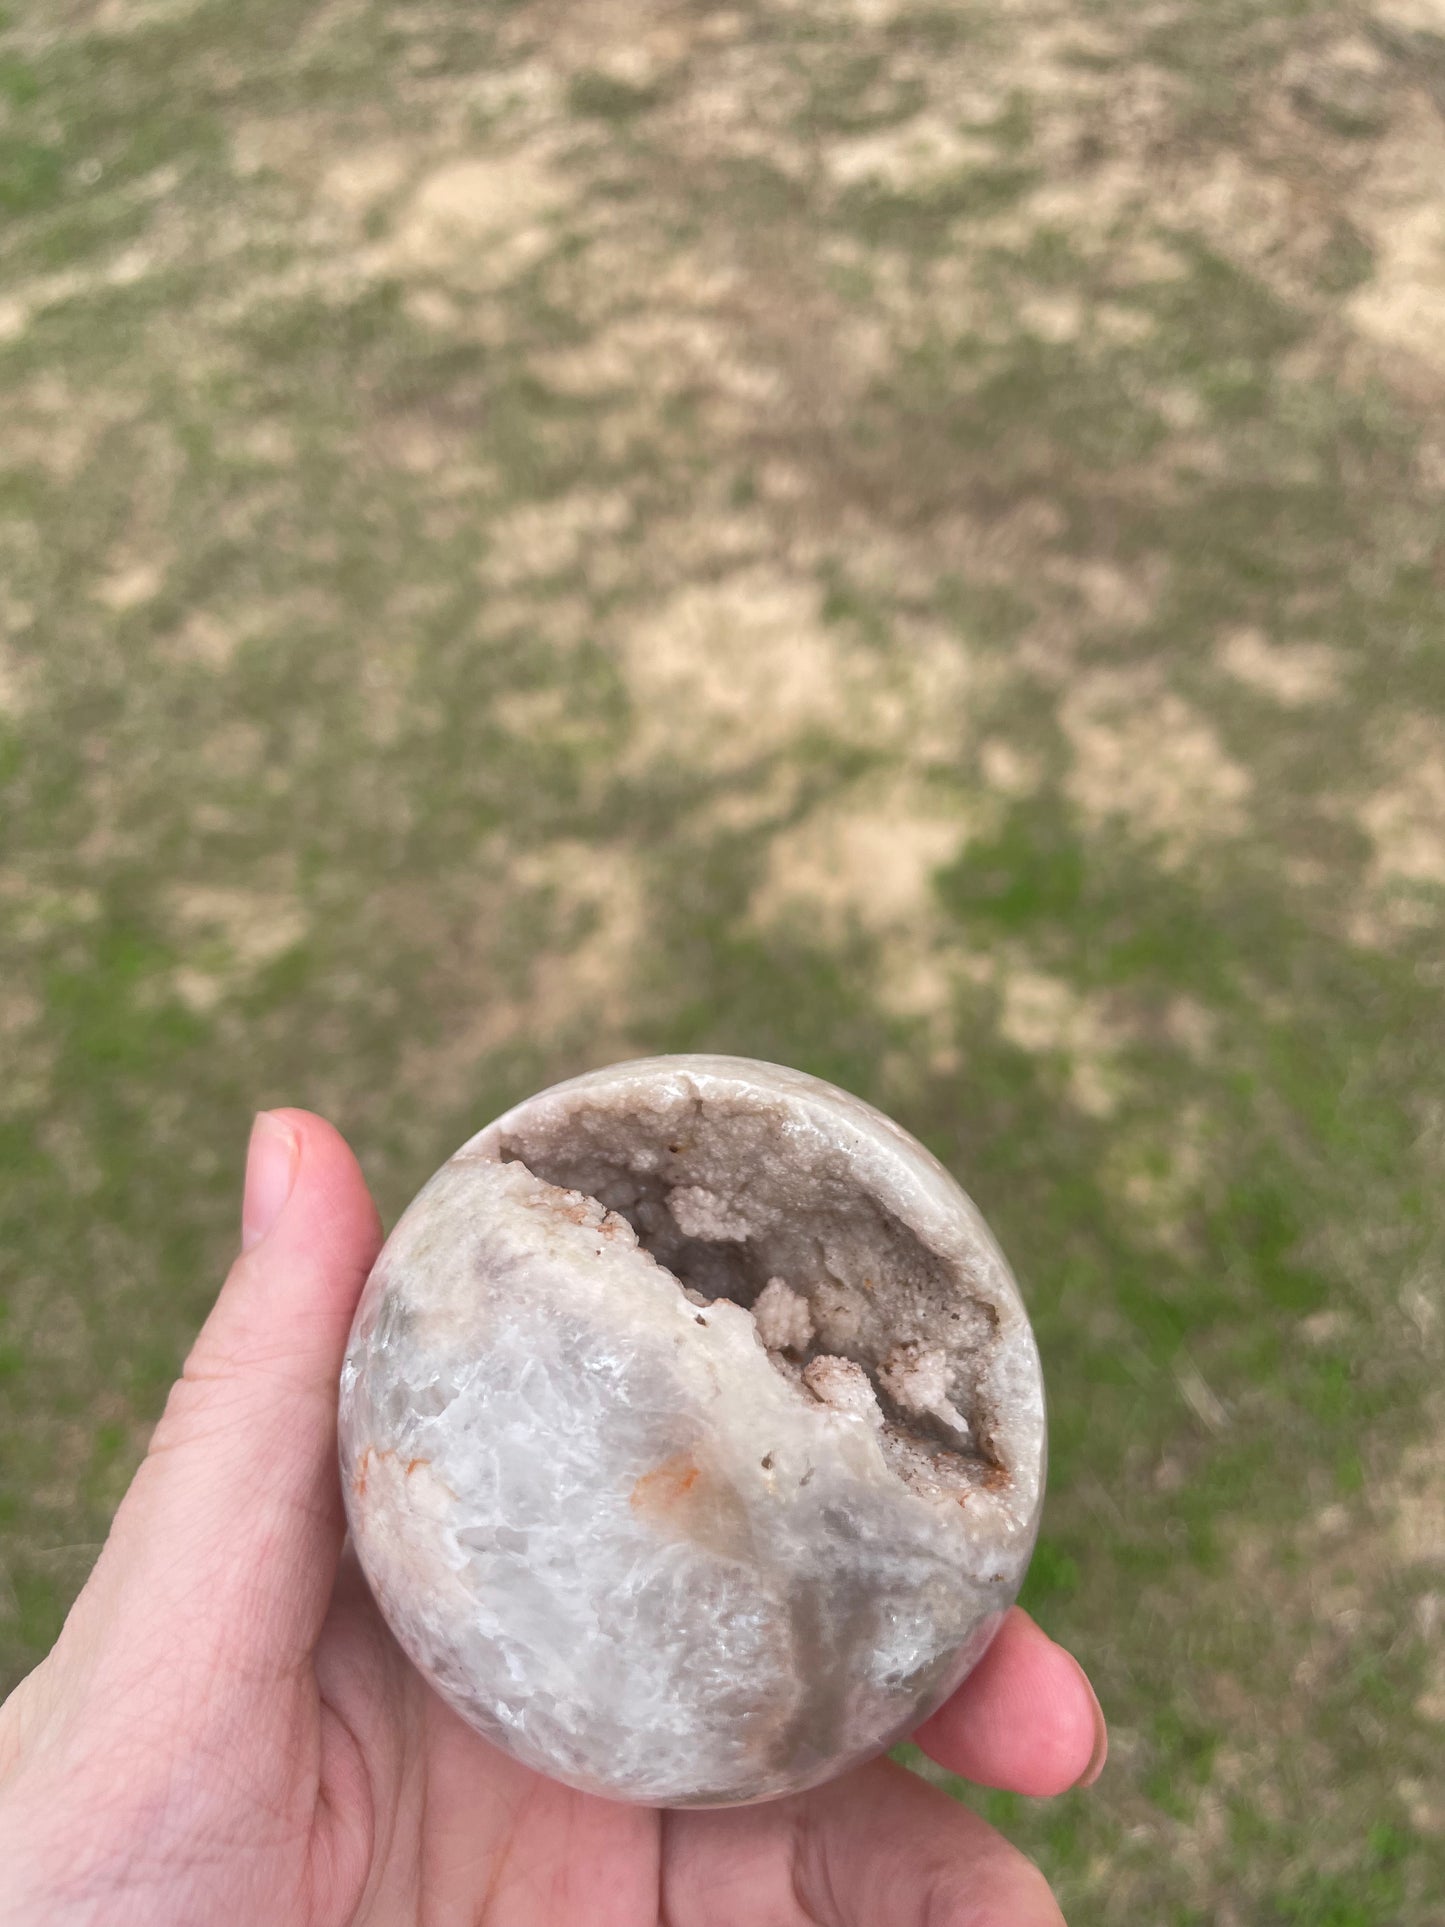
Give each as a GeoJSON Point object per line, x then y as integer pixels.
{"type": "Point", "coordinates": [433, 652]}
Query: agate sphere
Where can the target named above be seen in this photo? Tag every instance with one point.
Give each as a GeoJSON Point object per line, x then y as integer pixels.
{"type": "Point", "coordinates": [692, 1432]}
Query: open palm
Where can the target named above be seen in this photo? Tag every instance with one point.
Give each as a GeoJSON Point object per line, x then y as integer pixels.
{"type": "Point", "coordinates": [226, 1733]}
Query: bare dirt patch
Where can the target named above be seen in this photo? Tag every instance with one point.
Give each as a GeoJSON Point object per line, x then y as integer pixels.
{"type": "Point", "coordinates": [1406, 816]}
{"type": "Point", "coordinates": [1046, 1015]}
{"type": "Point", "coordinates": [539, 539]}
{"type": "Point", "coordinates": [1400, 205]}
{"type": "Point", "coordinates": [598, 906]}
{"type": "Point", "coordinates": [584, 909]}
{"type": "Point", "coordinates": [366, 178]}
{"type": "Point", "coordinates": [1293, 674]}
{"type": "Point", "coordinates": [1144, 754]}
{"type": "Point", "coordinates": [480, 218]}
{"type": "Point", "coordinates": [1159, 1176]}
{"type": "Point", "coordinates": [229, 933]}
{"type": "Point", "coordinates": [1418, 1523]}
{"type": "Point", "coordinates": [870, 856]}
{"type": "Point", "coordinates": [13, 696]}
{"type": "Point", "coordinates": [916, 154]}
{"type": "Point", "coordinates": [730, 671]}
{"type": "Point", "coordinates": [130, 584]}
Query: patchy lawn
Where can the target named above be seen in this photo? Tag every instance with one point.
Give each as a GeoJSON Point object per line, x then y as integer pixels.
{"type": "Point", "coordinates": [907, 539]}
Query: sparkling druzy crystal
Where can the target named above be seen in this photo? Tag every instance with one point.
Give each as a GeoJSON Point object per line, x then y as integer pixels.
{"type": "Point", "coordinates": [692, 1432]}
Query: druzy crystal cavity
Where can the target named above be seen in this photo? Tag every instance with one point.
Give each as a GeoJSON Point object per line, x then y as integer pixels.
{"type": "Point", "coordinates": [692, 1432]}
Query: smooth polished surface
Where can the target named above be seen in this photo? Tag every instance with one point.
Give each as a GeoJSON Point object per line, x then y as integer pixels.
{"type": "Point", "coordinates": [692, 1431]}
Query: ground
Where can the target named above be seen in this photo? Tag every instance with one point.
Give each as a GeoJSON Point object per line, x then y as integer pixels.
{"type": "Point", "coordinates": [903, 538]}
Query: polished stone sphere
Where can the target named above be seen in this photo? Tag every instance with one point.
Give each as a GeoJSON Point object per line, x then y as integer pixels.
{"type": "Point", "coordinates": [692, 1432]}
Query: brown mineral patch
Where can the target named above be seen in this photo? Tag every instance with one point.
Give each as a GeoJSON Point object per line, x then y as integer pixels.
{"type": "Point", "coordinates": [679, 1497]}
{"type": "Point", "coordinates": [1144, 754]}
{"type": "Point", "coordinates": [1292, 673]}
{"type": "Point", "coordinates": [660, 1490]}
{"type": "Point", "coordinates": [575, 1207]}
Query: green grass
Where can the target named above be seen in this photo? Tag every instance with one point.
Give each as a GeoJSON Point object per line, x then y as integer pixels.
{"type": "Point", "coordinates": [365, 743]}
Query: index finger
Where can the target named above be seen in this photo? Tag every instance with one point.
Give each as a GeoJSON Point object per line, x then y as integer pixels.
{"type": "Point", "coordinates": [1026, 1718]}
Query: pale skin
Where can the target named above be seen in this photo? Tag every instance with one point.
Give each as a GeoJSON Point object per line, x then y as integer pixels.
{"type": "Point", "coordinates": [225, 1732]}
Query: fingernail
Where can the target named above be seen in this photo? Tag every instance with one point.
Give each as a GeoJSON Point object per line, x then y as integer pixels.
{"type": "Point", "coordinates": [271, 1165]}
{"type": "Point", "coordinates": [1101, 1743]}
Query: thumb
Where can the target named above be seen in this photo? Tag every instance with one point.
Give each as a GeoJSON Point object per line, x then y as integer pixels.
{"type": "Point", "coordinates": [224, 1551]}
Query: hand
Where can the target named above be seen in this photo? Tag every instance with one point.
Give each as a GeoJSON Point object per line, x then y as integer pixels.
{"type": "Point", "coordinates": [226, 1733]}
